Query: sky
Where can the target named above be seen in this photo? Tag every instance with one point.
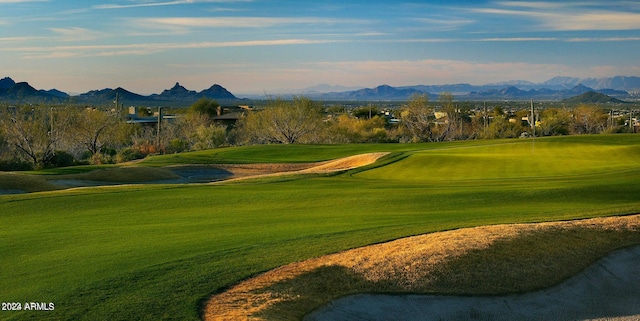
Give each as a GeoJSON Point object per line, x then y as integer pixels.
{"type": "Point", "coordinates": [270, 47]}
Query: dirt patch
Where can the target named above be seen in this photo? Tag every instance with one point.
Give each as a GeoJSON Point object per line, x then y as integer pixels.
{"type": "Point", "coordinates": [523, 257]}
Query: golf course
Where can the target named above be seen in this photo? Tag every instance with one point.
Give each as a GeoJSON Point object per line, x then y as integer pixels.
{"type": "Point", "coordinates": [144, 243]}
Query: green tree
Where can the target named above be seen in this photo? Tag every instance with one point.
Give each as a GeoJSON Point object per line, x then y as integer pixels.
{"type": "Point", "coordinates": [205, 106]}
{"type": "Point", "coordinates": [502, 127]}
{"type": "Point", "coordinates": [365, 112]}
{"type": "Point", "coordinates": [209, 137]}
{"type": "Point", "coordinates": [348, 129]}
{"type": "Point", "coordinates": [554, 121]}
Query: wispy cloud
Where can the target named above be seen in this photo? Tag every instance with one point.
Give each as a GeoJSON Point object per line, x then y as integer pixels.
{"type": "Point", "coordinates": [184, 25]}
{"type": "Point", "coordinates": [21, 1]}
{"type": "Point", "coordinates": [238, 22]}
{"type": "Point", "coordinates": [603, 39]}
{"type": "Point", "coordinates": [518, 39]}
{"type": "Point", "coordinates": [444, 24]}
{"type": "Point", "coordinates": [569, 16]}
{"type": "Point", "coordinates": [546, 5]}
{"type": "Point", "coordinates": [594, 21]}
{"type": "Point", "coordinates": [77, 34]}
{"type": "Point", "coordinates": [162, 3]}
{"type": "Point", "coordinates": [144, 49]}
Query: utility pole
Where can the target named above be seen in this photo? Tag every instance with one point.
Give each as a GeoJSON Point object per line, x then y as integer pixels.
{"type": "Point", "coordinates": [485, 115]}
{"type": "Point", "coordinates": [158, 129]}
{"type": "Point", "coordinates": [532, 122]}
{"type": "Point", "coordinates": [117, 101]}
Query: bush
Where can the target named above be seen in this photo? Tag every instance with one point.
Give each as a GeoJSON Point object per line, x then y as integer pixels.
{"type": "Point", "coordinates": [100, 158]}
{"type": "Point", "coordinates": [177, 145]}
{"type": "Point", "coordinates": [62, 159]}
{"type": "Point", "coordinates": [15, 165]}
{"type": "Point", "coordinates": [129, 154]}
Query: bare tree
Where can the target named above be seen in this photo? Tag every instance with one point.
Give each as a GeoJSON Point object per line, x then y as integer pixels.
{"type": "Point", "coordinates": [93, 128]}
{"type": "Point", "coordinates": [34, 132]}
{"type": "Point", "coordinates": [416, 118]}
{"type": "Point", "coordinates": [588, 120]}
{"type": "Point", "coordinates": [448, 129]}
{"type": "Point", "coordinates": [286, 122]}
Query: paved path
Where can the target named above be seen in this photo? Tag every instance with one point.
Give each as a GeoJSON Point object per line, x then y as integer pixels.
{"type": "Point", "coordinates": [607, 290]}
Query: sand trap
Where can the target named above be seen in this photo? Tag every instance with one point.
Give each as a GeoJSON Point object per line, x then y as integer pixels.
{"type": "Point", "coordinates": [607, 290]}
{"type": "Point", "coordinates": [346, 163]}
{"type": "Point", "coordinates": [242, 172]}
{"type": "Point", "coordinates": [216, 173]}
{"type": "Point", "coordinates": [410, 265]}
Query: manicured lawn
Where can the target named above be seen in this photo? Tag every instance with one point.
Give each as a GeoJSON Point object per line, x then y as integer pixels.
{"type": "Point", "coordinates": [156, 252]}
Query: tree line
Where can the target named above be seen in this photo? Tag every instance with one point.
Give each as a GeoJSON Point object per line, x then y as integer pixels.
{"type": "Point", "coordinates": [33, 137]}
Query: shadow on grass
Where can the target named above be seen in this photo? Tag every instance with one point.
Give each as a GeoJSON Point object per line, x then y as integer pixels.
{"type": "Point", "coordinates": [531, 261]}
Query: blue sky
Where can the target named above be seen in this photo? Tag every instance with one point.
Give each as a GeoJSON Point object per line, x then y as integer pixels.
{"type": "Point", "coordinates": [254, 46]}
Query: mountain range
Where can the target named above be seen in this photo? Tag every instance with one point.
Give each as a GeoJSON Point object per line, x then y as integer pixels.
{"type": "Point", "coordinates": [557, 88]}
{"type": "Point", "coordinates": [22, 92]}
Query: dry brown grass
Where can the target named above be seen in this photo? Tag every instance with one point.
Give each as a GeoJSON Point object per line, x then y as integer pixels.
{"type": "Point", "coordinates": [482, 260]}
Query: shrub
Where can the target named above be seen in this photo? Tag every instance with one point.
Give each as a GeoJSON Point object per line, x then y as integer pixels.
{"type": "Point", "coordinates": [129, 154]}
{"type": "Point", "coordinates": [15, 165]}
{"type": "Point", "coordinates": [62, 159]}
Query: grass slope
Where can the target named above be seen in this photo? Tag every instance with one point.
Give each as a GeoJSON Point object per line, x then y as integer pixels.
{"type": "Point", "coordinates": [157, 251]}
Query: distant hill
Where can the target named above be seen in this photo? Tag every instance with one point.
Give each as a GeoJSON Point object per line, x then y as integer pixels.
{"type": "Point", "coordinates": [592, 97]}
{"type": "Point", "coordinates": [22, 92]}
{"type": "Point", "coordinates": [514, 93]}
{"type": "Point", "coordinates": [624, 83]}
{"type": "Point", "coordinates": [177, 94]}
{"type": "Point", "coordinates": [217, 92]}
{"type": "Point", "coordinates": [384, 92]}
{"type": "Point", "coordinates": [54, 92]}
{"type": "Point", "coordinates": [108, 95]}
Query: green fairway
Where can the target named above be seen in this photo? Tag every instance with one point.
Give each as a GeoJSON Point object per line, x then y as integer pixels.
{"type": "Point", "coordinates": [157, 251]}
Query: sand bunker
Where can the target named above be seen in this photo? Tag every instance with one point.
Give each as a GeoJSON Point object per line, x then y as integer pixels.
{"type": "Point", "coordinates": [214, 173]}
{"type": "Point", "coordinates": [419, 264]}
{"type": "Point", "coordinates": [248, 171]}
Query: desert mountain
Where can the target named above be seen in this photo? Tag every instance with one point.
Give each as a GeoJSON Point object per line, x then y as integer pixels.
{"type": "Point", "coordinates": [217, 92]}
{"type": "Point", "coordinates": [6, 83]}
{"type": "Point", "coordinates": [618, 82]}
{"type": "Point", "coordinates": [592, 97]}
{"type": "Point", "coordinates": [23, 92]}
{"type": "Point", "coordinates": [108, 95]}
{"type": "Point", "coordinates": [557, 88]}
{"type": "Point", "coordinates": [384, 92]}
{"type": "Point", "coordinates": [177, 92]}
